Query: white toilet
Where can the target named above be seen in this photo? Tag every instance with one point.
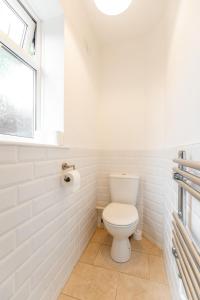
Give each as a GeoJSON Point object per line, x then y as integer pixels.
{"type": "Point", "coordinates": [120, 217]}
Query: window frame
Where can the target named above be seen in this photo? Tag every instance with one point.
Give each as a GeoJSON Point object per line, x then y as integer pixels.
{"type": "Point", "coordinates": [32, 60]}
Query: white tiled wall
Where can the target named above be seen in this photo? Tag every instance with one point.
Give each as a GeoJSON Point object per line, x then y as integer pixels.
{"type": "Point", "coordinates": [149, 166]}
{"type": "Point", "coordinates": [43, 228]}
{"type": "Point", "coordinates": [159, 194]}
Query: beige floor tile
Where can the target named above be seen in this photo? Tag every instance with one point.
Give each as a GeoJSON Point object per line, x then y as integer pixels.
{"type": "Point", "coordinates": [64, 297]}
{"type": "Point", "coordinates": [101, 236]}
{"type": "Point", "coordinates": [92, 283]}
{"type": "Point", "coordinates": [146, 246]}
{"type": "Point", "coordinates": [157, 269]}
{"type": "Point", "coordinates": [80, 281]}
{"type": "Point", "coordinates": [130, 288]}
{"type": "Point", "coordinates": [84, 270]}
{"type": "Point", "coordinates": [90, 253]}
{"type": "Point", "coordinates": [104, 285]}
{"type": "Point", "coordinates": [137, 265]}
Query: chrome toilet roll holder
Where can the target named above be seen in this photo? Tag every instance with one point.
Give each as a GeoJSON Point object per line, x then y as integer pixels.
{"type": "Point", "coordinates": [66, 166]}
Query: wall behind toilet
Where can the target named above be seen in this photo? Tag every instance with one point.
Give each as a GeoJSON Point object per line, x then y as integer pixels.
{"type": "Point", "coordinates": [122, 96]}
{"type": "Point", "coordinates": [131, 113]}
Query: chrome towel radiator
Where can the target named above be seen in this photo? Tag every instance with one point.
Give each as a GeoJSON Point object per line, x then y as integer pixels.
{"type": "Point", "coordinates": [184, 249]}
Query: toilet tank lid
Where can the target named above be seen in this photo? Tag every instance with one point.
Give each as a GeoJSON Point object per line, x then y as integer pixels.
{"type": "Point", "coordinates": [123, 175]}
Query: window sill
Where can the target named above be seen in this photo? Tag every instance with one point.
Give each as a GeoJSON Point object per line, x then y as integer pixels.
{"type": "Point", "coordinates": [41, 139]}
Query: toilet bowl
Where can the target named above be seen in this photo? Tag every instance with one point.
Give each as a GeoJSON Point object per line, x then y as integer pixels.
{"type": "Point", "coordinates": [120, 221]}
{"type": "Point", "coordinates": [120, 217]}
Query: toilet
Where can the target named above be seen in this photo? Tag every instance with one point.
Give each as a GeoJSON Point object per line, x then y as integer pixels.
{"type": "Point", "coordinates": [120, 217]}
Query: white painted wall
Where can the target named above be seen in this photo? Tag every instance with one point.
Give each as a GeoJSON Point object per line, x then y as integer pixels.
{"type": "Point", "coordinates": [150, 86]}
{"type": "Point", "coordinates": [155, 59]}
{"type": "Point", "coordinates": [182, 105]}
{"type": "Point", "coordinates": [53, 74]}
{"type": "Point", "coordinates": [81, 78]}
{"type": "Point", "coordinates": [122, 97]}
{"type": "Point", "coordinates": [131, 109]}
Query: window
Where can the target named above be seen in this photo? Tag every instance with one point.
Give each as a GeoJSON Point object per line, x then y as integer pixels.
{"type": "Point", "coordinates": [19, 70]}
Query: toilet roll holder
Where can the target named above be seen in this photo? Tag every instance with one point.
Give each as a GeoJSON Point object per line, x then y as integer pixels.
{"type": "Point", "coordinates": [66, 166]}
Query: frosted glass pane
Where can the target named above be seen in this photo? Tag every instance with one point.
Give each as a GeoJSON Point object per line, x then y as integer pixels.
{"type": "Point", "coordinates": [16, 95]}
{"type": "Point", "coordinates": [11, 24]}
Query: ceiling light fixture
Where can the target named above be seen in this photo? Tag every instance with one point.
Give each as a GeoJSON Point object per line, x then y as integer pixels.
{"type": "Point", "coordinates": [112, 7]}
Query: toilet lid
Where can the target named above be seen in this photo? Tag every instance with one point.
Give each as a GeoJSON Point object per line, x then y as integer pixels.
{"type": "Point", "coordinates": [120, 214]}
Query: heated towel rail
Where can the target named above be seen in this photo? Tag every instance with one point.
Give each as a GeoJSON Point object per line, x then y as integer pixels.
{"type": "Point", "coordinates": [186, 252]}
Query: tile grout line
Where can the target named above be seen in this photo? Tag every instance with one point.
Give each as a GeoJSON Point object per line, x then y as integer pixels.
{"type": "Point", "coordinates": [123, 273]}
{"type": "Point", "coordinates": [117, 286]}
{"type": "Point", "coordinates": [128, 274]}
{"type": "Point", "coordinates": [103, 244]}
{"type": "Point", "coordinates": [68, 296]}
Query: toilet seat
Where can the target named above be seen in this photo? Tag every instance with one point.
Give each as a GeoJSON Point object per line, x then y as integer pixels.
{"type": "Point", "coordinates": [120, 215]}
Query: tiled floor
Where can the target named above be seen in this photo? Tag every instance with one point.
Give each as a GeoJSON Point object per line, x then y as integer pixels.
{"type": "Point", "coordinates": [98, 277]}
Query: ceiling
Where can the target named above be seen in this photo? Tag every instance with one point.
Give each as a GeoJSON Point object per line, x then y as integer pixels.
{"type": "Point", "coordinates": [141, 17]}
{"type": "Point", "coordinates": [46, 9]}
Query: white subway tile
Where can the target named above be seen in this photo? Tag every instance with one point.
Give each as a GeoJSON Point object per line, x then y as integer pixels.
{"type": "Point", "coordinates": [39, 256]}
{"type": "Point", "coordinates": [44, 268]}
{"type": "Point", "coordinates": [8, 154]}
{"type": "Point", "coordinates": [42, 203]}
{"type": "Point", "coordinates": [32, 153]}
{"type": "Point", "coordinates": [47, 168]}
{"type": "Point", "coordinates": [37, 188]}
{"type": "Point", "coordinates": [14, 217]}
{"type": "Point", "coordinates": [8, 198]}
{"type": "Point", "coordinates": [36, 224]}
{"type": "Point", "coordinates": [56, 153]}
{"type": "Point", "coordinates": [13, 174]}
{"type": "Point", "coordinates": [23, 273]}
{"type": "Point", "coordinates": [9, 265]}
{"type": "Point", "coordinates": [48, 294]}
{"type": "Point", "coordinates": [7, 244]}
{"type": "Point", "coordinates": [38, 292]}
{"type": "Point", "coordinates": [43, 235]}
{"type": "Point", "coordinates": [31, 190]}
{"type": "Point", "coordinates": [23, 293]}
{"type": "Point", "coordinates": [6, 289]}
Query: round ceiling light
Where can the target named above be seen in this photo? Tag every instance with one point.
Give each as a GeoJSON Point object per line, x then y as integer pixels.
{"type": "Point", "coordinates": [112, 7]}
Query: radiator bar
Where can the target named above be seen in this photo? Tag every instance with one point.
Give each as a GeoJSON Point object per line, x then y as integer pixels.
{"type": "Point", "coordinates": [188, 163]}
{"type": "Point", "coordinates": [187, 175]}
{"type": "Point", "coordinates": [189, 189]}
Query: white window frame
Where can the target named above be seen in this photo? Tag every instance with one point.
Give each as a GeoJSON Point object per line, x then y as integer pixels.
{"type": "Point", "coordinates": [33, 60]}
{"type": "Point", "coordinates": [20, 10]}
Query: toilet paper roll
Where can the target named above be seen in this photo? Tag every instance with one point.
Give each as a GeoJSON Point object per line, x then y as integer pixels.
{"type": "Point", "coordinates": [71, 180]}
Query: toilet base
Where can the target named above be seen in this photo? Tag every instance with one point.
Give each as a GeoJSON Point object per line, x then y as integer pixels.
{"type": "Point", "coordinates": [121, 250]}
